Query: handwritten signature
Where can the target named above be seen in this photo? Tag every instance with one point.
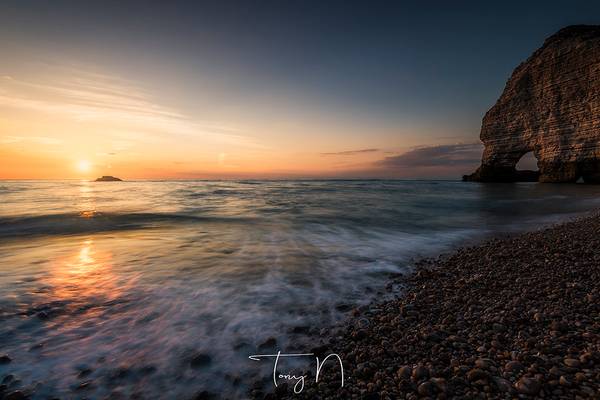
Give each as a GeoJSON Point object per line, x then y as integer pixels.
{"type": "Point", "coordinates": [299, 385]}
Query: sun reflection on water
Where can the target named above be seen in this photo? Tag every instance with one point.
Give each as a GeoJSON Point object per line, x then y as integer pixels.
{"type": "Point", "coordinates": [87, 273]}
{"type": "Point", "coordinates": [87, 200]}
{"type": "Point", "coordinates": [88, 213]}
{"type": "Point", "coordinates": [85, 260]}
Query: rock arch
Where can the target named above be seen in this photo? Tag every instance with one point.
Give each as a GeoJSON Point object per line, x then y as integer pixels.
{"type": "Point", "coordinates": [551, 106]}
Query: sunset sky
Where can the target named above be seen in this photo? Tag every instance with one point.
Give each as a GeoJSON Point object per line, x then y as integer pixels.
{"type": "Point", "coordinates": [257, 89]}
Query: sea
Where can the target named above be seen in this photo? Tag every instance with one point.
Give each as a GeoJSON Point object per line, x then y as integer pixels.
{"type": "Point", "coordinates": [163, 289]}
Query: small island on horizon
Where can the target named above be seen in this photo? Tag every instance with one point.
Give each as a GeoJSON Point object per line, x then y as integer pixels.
{"type": "Point", "coordinates": [108, 178]}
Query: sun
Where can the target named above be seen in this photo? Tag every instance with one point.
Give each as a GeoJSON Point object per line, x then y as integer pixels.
{"type": "Point", "coordinates": [84, 166]}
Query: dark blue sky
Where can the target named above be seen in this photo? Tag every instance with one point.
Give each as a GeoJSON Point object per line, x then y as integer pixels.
{"type": "Point", "coordinates": [373, 53]}
{"type": "Point", "coordinates": [430, 67]}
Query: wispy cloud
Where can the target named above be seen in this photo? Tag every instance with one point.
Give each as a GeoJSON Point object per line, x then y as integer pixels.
{"type": "Point", "coordinates": [30, 139]}
{"type": "Point", "coordinates": [452, 155]}
{"type": "Point", "coordinates": [95, 97]}
{"type": "Point", "coordinates": [350, 152]}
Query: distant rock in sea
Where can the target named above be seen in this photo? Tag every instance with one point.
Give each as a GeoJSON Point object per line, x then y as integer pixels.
{"type": "Point", "coordinates": [551, 107]}
{"type": "Point", "coordinates": [108, 178]}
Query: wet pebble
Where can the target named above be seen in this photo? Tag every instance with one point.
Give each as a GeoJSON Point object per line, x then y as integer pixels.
{"type": "Point", "coordinates": [15, 395]}
{"type": "Point", "coordinates": [84, 372]}
{"type": "Point", "coordinates": [268, 344]}
{"type": "Point", "coordinates": [426, 389]}
{"type": "Point", "coordinates": [200, 360]}
{"type": "Point", "coordinates": [528, 386]}
{"type": "Point", "coordinates": [420, 372]}
{"type": "Point", "coordinates": [514, 366]}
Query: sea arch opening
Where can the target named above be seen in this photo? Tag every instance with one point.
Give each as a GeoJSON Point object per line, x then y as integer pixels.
{"type": "Point", "coordinates": [527, 168]}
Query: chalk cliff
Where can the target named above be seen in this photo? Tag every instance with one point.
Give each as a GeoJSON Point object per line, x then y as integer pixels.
{"type": "Point", "coordinates": [551, 106]}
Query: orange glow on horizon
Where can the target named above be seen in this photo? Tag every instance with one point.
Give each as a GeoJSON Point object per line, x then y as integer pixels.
{"type": "Point", "coordinates": [121, 129]}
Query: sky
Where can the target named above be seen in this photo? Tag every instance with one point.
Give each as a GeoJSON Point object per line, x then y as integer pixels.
{"type": "Point", "coordinates": [258, 89]}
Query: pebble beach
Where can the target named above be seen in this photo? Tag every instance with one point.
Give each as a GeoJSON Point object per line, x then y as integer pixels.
{"type": "Point", "coordinates": [515, 317]}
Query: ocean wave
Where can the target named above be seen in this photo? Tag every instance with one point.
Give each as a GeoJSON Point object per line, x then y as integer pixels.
{"type": "Point", "coordinates": [12, 189]}
{"type": "Point", "coordinates": [206, 192]}
{"type": "Point", "coordinates": [249, 182]}
{"type": "Point", "coordinates": [230, 192]}
{"type": "Point", "coordinates": [93, 221]}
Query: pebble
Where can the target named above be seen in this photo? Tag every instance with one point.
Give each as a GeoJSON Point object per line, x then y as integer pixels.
{"type": "Point", "coordinates": [205, 395]}
{"type": "Point", "coordinates": [440, 384]}
{"type": "Point", "coordinates": [200, 360]}
{"type": "Point", "coordinates": [528, 386]}
{"type": "Point", "coordinates": [477, 374]}
{"type": "Point", "coordinates": [502, 384]}
{"type": "Point", "coordinates": [571, 362]}
{"type": "Point", "coordinates": [420, 373]}
{"type": "Point", "coordinates": [514, 366]}
{"type": "Point", "coordinates": [426, 389]}
{"type": "Point", "coordinates": [15, 395]}
{"type": "Point", "coordinates": [301, 329]}
{"type": "Point", "coordinates": [268, 344]}
{"type": "Point", "coordinates": [404, 372]}
{"type": "Point", "coordinates": [84, 372]}
{"type": "Point", "coordinates": [484, 363]}
{"type": "Point", "coordinates": [564, 381]}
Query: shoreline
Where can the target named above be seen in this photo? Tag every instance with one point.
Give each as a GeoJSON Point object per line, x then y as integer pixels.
{"type": "Point", "coordinates": [512, 316]}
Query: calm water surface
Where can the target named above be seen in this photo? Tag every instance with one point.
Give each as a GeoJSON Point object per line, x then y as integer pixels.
{"type": "Point", "coordinates": [113, 288]}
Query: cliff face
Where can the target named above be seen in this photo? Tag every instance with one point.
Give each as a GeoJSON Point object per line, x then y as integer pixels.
{"type": "Point", "coordinates": [551, 106]}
